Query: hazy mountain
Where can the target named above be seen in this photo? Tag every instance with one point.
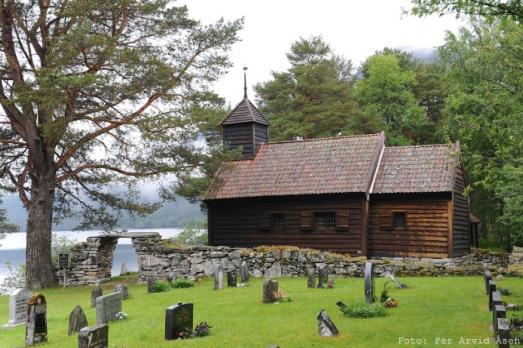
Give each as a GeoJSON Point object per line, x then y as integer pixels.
{"type": "Point", "coordinates": [171, 214]}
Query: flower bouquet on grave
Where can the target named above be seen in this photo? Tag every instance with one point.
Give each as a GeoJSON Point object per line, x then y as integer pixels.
{"type": "Point", "coordinates": [121, 316]}
{"type": "Point", "coordinates": [388, 302]}
{"type": "Point", "coordinates": [281, 296]}
{"type": "Point", "coordinates": [330, 284]}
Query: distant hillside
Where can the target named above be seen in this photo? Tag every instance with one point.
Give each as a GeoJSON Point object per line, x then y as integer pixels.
{"type": "Point", "coordinates": [172, 214]}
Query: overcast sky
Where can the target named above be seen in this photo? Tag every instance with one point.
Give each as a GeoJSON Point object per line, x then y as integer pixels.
{"type": "Point", "coordinates": [355, 29]}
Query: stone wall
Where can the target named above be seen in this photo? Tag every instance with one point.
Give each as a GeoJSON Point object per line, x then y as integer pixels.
{"type": "Point", "coordinates": [195, 262]}
{"type": "Point", "coordinates": [91, 261]}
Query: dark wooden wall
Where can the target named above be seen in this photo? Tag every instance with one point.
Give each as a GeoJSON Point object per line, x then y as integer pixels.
{"type": "Point", "coordinates": [261, 135]}
{"type": "Point", "coordinates": [427, 225]}
{"type": "Point", "coordinates": [242, 222]}
{"type": "Point", "coordinates": [461, 223]}
{"type": "Point", "coordinates": [236, 135]}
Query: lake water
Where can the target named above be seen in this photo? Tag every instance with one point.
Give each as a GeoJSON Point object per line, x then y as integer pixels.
{"type": "Point", "coordinates": [12, 249]}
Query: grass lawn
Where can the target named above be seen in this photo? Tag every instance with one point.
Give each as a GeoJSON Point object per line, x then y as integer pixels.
{"type": "Point", "coordinates": [445, 307]}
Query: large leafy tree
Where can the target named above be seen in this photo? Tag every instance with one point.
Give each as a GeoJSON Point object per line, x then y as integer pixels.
{"type": "Point", "coordinates": [313, 97]}
{"type": "Point", "coordinates": [485, 112]}
{"type": "Point", "coordinates": [489, 9]}
{"type": "Point", "coordinates": [385, 94]}
{"type": "Point", "coordinates": [97, 93]}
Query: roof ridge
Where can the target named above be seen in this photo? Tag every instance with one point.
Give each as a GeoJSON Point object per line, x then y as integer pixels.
{"type": "Point", "coordinates": [424, 145]}
{"type": "Point", "coordinates": [326, 138]}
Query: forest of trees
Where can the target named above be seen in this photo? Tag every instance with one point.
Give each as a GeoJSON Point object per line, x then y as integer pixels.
{"type": "Point", "coordinates": [470, 91]}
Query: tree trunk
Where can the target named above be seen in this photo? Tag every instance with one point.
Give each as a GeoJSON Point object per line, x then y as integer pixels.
{"type": "Point", "coordinates": [40, 271]}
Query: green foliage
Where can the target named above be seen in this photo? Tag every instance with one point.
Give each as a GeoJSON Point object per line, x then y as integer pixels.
{"type": "Point", "coordinates": [504, 291]}
{"type": "Point", "coordinates": [313, 97]}
{"type": "Point", "coordinates": [489, 9]}
{"type": "Point", "coordinates": [364, 310]}
{"type": "Point", "coordinates": [15, 278]}
{"type": "Point", "coordinates": [194, 233]}
{"type": "Point", "coordinates": [386, 98]}
{"type": "Point", "coordinates": [60, 244]}
{"type": "Point", "coordinates": [161, 286]}
{"type": "Point", "coordinates": [182, 283]}
{"type": "Point", "coordinates": [485, 112]}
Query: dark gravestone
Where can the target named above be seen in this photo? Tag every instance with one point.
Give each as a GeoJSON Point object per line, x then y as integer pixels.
{"type": "Point", "coordinates": [310, 278]}
{"type": "Point", "coordinates": [77, 320]}
{"type": "Point", "coordinates": [496, 299]}
{"type": "Point", "coordinates": [325, 325]}
{"type": "Point", "coordinates": [498, 312]}
{"type": "Point", "coordinates": [232, 277]}
{"type": "Point", "coordinates": [341, 305]}
{"type": "Point", "coordinates": [369, 283]}
{"type": "Point", "coordinates": [36, 328]}
{"type": "Point", "coordinates": [63, 261]}
{"type": "Point", "coordinates": [244, 272]}
{"type": "Point", "coordinates": [270, 288]}
{"type": "Point", "coordinates": [503, 330]}
{"type": "Point", "coordinates": [96, 292]}
{"type": "Point", "coordinates": [18, 308]}
{"type": "Point", "coordinates": [178, 320]}
{"type": "Point", "coordinates": [123, 290]}
{"type": "Point", "coordinates": [491, 289]}
{"type": "Point", "coordinates": [94, 337]}
{"type": "Point", "coordinates": [151, 284]}
{"type": "Point", "coordinates": [487, 276]}
{"type": "Point", "coordinates": [321, 277]}
{"type": "Point", "coordinates": [107, 307]}
{"type": "Point", "coordinates": [218, 278]}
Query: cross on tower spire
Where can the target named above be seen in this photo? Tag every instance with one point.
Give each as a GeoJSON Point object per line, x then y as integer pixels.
{"type": "Point", "coordinates": [245, 82]}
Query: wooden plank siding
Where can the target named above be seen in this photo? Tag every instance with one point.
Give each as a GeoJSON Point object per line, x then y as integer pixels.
{"type": "Point", "coordinates": [238, 222]}
{"type": "Point", "coordinates": [240, 135]}
{"type": "Point", "coordinates": [427, 223]}
{"type": "Point", "coordinates": [461, 223]}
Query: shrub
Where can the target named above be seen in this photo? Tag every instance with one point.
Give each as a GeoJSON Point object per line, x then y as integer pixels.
{"type": "Point", "coordinates": [182, 283]}
{"type": "Point", "coordinates": [15, 279]}
{"type": "Point", "coordinates": [504, 291]}
{"type": "Point", "coordinates": [363, 310]}
{"type": "Point", "coordinates": [194, 233]}
{"type": "Point", "coordinates": [161, 287]}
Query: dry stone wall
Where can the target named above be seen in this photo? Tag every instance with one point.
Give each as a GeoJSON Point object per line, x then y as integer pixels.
{"type": "Point", "coordinates": [91, 261]}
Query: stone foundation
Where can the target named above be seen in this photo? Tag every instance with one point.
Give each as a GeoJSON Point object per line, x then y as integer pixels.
{"type": "Point", "coordinates": [91, 261]}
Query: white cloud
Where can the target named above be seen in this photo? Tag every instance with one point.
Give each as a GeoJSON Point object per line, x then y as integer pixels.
{"type": "Point", "coordinates": [355, 29]}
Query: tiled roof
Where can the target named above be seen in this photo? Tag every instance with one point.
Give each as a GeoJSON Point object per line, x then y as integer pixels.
{"type": "Point", "coordinates": [407, 169]}
{"type": "Point", "coordinates": [245, 111]}
{"type": "Point", "coordinates": [316, 166]}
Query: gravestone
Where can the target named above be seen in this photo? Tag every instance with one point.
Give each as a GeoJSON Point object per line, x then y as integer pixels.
{"type": "Point", "coordinates": [503, 330]}
{"type": "Point", "coordinates": [496, 299]}
{"type": "Point", "coordinates": [77, 320]}
{"type": "Point", "coordinates": [18, 308]}
{"type": "Point", "coordinates": [487, 276]}
{"type": "Point", "coordinates": [178, 320]}
{"type": "Point", "coordinates": [123, 270]}
{"type": "Point", "coordinates": [498, 312]}
{"type": "Point", "coordinates": [218, 278]}
{"type": "Point", "coordinates": [94, 337]}
{"type": "Point", "coordinates": [369, 283]}
{"type": "Point", "coordinates": [232, 277]}
{"type": "Point", "coordinates": [107, 307]}
{"type": "Point", "coordinates": [123, 290]}
{"type": "Point", "coordinates": [321, 277]}
{"type": "Point", "coordinates": [341, 306]}
{"type": "Point", "coordinates": [36, 327]}
{"type": "Point", "coordinates": [151, 284]}
{"type": "Point", "coordinates": [491, 289]}
{"type": "Point", "coordinates": [270, 288]}
{"type": "Point", "coordinates": [170, 278]}
{"type": "Point", "coordinates": [310, 278]}
{"type": "Point", "coordinates": [326, 327]}
{"type": "Point", "coordinates": [95, 293]}
{"type": "Point", "coordinates": [63, 260]}
{"type": "Point", "coordinates": [244, 272]}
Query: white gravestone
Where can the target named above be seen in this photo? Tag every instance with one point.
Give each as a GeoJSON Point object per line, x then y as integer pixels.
{"type": "Point", "coordinates": [18, 308]}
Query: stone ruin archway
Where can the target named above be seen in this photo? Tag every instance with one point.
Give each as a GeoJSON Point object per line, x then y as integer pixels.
{"type": "Point", "coordinates": [91, 261]}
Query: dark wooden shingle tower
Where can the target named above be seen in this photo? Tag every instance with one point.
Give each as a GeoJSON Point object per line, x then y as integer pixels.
{"type": "Point", "coordinates": [245, 127]}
